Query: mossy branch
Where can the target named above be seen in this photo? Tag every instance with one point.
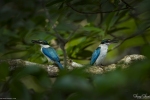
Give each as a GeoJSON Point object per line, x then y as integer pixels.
{"type": "Point", "coordinates": [53, 69]}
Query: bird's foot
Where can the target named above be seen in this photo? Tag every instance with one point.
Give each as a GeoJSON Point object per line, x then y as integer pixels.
{"type": "Point", "coordinates": [102, 66]}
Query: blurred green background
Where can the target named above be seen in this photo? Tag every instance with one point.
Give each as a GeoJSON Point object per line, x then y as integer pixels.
{"type": "Point", "coordinates": [81, 25]}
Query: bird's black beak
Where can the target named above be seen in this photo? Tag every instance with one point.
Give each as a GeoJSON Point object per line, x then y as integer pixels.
{"type": "Point", "coordinates": [35, 41]}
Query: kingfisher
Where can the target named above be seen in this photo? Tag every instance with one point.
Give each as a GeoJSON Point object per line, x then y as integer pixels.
{"type": "Point", "coordinates": [100, 53]}
{"type": "Point", "coordinates": [49, 52]}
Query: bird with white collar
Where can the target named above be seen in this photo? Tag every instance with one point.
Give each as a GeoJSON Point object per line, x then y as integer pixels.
{"type": "Point", "coordinates": [49, 52]}
{"type": "Point", "coordinates": [100, 53]}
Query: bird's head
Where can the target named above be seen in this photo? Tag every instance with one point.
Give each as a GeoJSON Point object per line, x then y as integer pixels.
{"type": "Point", "coordinates": [40, 42]}
{"type": "Point", "coordinates": [108, 41]}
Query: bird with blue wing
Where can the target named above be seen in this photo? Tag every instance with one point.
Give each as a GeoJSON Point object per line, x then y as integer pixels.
{"type": "Point", "coordinates": [100, 53]}
{"type": "Point", "coordinates": [49, 52]}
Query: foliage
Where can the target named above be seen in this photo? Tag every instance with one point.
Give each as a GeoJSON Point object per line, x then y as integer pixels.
{"type": "Point", "coordinates": [22, 21]}
{"type": "Point", "coordinates": [33, 83]}
{"type": "Point", "coordinates": [78, 26]}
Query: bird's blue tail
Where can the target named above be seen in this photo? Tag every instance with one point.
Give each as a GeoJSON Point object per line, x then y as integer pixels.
{"type": "Point", "coordinates": [59, 65]}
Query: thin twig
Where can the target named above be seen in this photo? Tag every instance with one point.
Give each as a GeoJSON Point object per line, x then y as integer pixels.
{"type": "Point", "coordinates": [123, 41]}
{"type": "Point", "coordinates": [96, 12]}
{"type": "Point", "coordinates": [127, 4]}
{"type": "Point", "coordinates": [59, 37]}
{"type": "Point", "coordinates": [65, 54]}
{"type": "Point", "coordinates": [145, 39]}
{"type": "Point", "coordinates": [51, 23]}
{"type": "Point", "coordinates": [140, 32]}
{"type": "Point", "coordinates": [113, 35]}
{"type": "Point", "coordinates": [72, 33]}
{"type": "Point", "coordinates": [101, 14]}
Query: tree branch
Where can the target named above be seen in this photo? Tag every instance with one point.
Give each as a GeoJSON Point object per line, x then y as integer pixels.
{"type": "Point", "coordinates": [127, 4]}
{"type": "Point", "coordinates": [145, 39]}
{"type": "Point", "coordinates": [72, 33]}
{"type": "Point", "coordinates": [69, 5]}
{"type": "Point", "coordinates": [53, 69]}
{"type": "Point", "coordinates": [139, 32]}
{"type": "Point", "coordinates": [51, 23]}
{"type": "Point", "coordinates": [58, 36]}
{"type": "Point", "coordinates": [123, 41]}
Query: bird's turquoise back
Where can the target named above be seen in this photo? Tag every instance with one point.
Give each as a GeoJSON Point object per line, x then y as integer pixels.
{"type": "Point", "coordinates": [51, 53]}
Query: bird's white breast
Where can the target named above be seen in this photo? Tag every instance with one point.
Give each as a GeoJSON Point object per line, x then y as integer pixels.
{"type": "Point", "coordinates": [103, 52]}
{"type": "Point", "coordinates": [46, 46]}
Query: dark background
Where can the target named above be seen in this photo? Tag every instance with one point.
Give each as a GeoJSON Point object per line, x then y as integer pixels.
{"type": "Point", "coordinates": [74, 28]}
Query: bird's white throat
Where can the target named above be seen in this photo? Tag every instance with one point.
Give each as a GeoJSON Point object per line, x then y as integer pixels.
{"type": "Point", "coordinates": [104, 45]}
{"type": "Point", "coordinates": [44, 46]}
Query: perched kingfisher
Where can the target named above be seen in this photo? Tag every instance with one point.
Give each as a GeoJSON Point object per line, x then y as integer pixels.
{"type": "Point", "coordinates": [100, 53]}
{"type": "Point", "coordinates": [49, 52]}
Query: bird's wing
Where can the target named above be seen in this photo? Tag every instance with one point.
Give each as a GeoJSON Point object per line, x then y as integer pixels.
{"type": "Point", "coordinates": [51, 53]}
{"type": "Point", "coordinates": [95, 55]}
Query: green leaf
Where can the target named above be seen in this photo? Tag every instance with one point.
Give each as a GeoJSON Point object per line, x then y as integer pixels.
{"type": "Point", "coordinates": [77, 96]}
{"type": "Point", "coordinates": [92, 28]}
{"type": "Point", "coordinates": [4, 71]}
{"type": "Point", "coordinates": [146, 51]}
{"type": "Point", "coordinates": [19, 91]}
{"type": "Point", "coordinates": [84, 54]}
{"type": "Point", "coordinates": [52, 2]}
{"type": "Point", "coordinates": [72, 83]}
